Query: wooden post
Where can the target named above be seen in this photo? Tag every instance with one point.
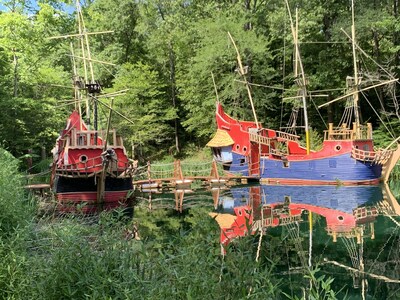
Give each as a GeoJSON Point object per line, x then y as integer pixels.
{"type": "Point", "coordinates": [369, 131]}
{"type": "Point", "coordinates": [215, 195]}
{"type": "Point", "coordinates": [330, 130]}
{"type": "Point", "coordinates": [178, 170]}
{"type": "Point", "coordinates": [179, 194]}
{"type": "Point", "coordinates": [149, 171]}
{"type": "Point", "coordinates": [214, 170]}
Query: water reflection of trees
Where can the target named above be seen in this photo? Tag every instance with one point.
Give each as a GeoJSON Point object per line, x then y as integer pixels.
{"type": "Point", "coordinates": [362, 259]}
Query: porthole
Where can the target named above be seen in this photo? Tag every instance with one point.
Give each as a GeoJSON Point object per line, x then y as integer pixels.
{"type": "Point", "coordinates": [338, 147]}
{"type": "Point", "coordinates": [340, 218]}
{"type": "Point", "coordinates": [244, 149]}
{"type": "Point", "coordinates": [83, 158]}
{"type": "Point", "coordinates": [237, 147]}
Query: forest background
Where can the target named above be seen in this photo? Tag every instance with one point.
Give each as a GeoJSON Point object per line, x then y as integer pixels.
{"type": "Point", "coordinates": [165, 51]}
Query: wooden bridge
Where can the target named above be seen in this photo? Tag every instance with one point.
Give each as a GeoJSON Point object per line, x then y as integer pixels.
{"type": "Point", "coordinates": [182, 175]}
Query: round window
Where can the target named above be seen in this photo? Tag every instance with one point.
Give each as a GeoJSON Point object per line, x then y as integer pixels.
{"type": "Point", "coordinates": [340, 218]}
{"type": "Point", "coordinates": [83, 158]}
{"type": "Point", "coordinates": [338, 147]}
{"type": "Point", "coordinates": [244, 149]}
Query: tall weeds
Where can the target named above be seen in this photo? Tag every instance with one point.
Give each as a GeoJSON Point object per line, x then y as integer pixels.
{"type": "Point", "coordinates": [97, 257]}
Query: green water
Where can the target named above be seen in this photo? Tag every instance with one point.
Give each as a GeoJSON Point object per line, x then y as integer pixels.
{"type": "Point", "coordinates": [362, 256]}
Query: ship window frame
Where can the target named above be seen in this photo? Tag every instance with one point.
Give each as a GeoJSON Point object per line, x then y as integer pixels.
{"type": "Point", "coordinates": [83, 158]}
{"type": "Point", "coordinates": [338, 147]}
{"type": "Point", "coordinates": [286, 164]}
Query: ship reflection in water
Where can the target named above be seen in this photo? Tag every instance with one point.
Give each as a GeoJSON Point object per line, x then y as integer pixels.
{"type": "Point", "coordinates": [351, 233]}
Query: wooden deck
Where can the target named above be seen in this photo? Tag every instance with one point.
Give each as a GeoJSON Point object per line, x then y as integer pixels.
{"type": "Point", "coordinates": [184, 175]}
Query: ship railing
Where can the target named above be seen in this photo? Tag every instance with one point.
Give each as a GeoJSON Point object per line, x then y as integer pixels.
{"type": "Point", "coordinates": [287, 136]}
{"type": "Point", "coordinates": [93, 166]}
{"type": "Point", "coordinates": [282, 137]}
{"type": "Point", "coordinates": [383, 155]}
{"type": "Point", "coordinates": [269, 221]}
{"type": "Point", "coordinates": [357, 132]}
{"type": "Point", "coordinates": [338, 134]}
{"type": "Point", "coordinates": [94, 138]}
{"type": "Point", "coordinates": [363, 154]}
{"type": "Point", "coordinates": [277, 152]}
{"type": "Point", "coordinates": [365, 212]}
{"type": "Point", "coordinates": [260, 139]}
{"type": "Point", "coordinates": [379, 157]}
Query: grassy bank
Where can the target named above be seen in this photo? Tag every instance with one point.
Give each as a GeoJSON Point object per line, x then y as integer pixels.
{"type": "Point", "coordinates": [99, 257]}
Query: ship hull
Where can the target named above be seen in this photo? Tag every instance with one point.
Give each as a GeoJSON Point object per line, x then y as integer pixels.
{"type": "Point", "coordinates": [245, 148]}
{"type": "Point", "coordinates": [80, 194]}
{"type": "Point", "coordinates": [340, 169]}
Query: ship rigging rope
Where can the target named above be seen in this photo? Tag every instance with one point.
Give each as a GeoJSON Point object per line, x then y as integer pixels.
{"type": "Point", "coordinates": [383, 123]}
{"type": "Point", "coordinates": [348, 114]}
{"type": "Point", "coordinates": [38, 174]}
{"type": "Point", "coordinates": [261, 233]}
{"type": "Point", "coordinates": [395, 102]}
{"type": "Point", "coordinates": [380, 100]}
{"type": "Point", "coordinates": [316, 108]}
{"type": "Point", "coordinates": [351, 247]}
{"type": "Point", "coordinates": [381, 277]}
{"type": "Point", "coordinates": [391, 218]}
{"type": "Point", "coordinates": [384, 247]}
{"type": "Point", "coordinates": [196, 164]}
{"type": "Point", "coordinates": [294, 233]}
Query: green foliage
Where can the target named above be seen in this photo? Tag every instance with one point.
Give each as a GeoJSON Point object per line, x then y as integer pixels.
{"type": "Point", "coordinates": [14, 207]}
{"type": "Point", "coordinates": [320, 287]}
{"type": "Point", "coordinates": [145, 104]}
{"type": "Point", "coordinates": [15, 218]}
{"type": "Point", "coordinates": [165, 52]}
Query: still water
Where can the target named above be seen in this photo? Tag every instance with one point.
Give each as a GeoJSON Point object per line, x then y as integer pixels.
{"type": "Point", "coordinates": [350, 233]}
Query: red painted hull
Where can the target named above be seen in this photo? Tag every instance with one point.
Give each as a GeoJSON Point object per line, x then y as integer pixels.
{"type": "Point", "coordinates": [81, 156]}
{"type": "Point", "coordinates": [86, 202]}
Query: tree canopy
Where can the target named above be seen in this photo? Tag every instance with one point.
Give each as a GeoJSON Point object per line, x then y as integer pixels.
{"type": "Point", "coordinates": [167, 54]}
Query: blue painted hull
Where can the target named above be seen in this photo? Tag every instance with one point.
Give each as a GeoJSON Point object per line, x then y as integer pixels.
{"type": "Point", "coordinates": [340, 168]}
{"type": "Point", "coordinates": [342, 198]}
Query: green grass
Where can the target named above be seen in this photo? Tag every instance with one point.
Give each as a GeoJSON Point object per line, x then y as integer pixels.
{"type": "Point", "coordinates": [97, 257]}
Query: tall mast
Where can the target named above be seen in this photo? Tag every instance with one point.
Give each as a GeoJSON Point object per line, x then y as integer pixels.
{"type": "Point", "coordinates": [300, 81]}
{"type": "Point", "coordinates": [92, 86]}
{"type": "Point", "coordinates": [80, 31]}
{"type": "Point", "coordinates": [241, 70]}
{"type": "Point", "coordinates": [356, 83]}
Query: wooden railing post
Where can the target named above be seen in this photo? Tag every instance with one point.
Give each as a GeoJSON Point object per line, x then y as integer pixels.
{"type": "Point", "coordinates": [178, 170]}
{"type": "Point", "coordinates": [149, 171]}
{"type": "Point", "coordinates": [214, 170]}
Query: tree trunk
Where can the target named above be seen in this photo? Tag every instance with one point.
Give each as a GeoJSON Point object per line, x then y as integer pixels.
{"type": "Point", "coordinates": [15, 92]}
{"type": "Point", "coordinates": [173, 92]}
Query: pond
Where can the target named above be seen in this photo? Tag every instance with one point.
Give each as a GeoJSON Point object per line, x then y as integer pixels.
{"type": "Point", "coordinates": [347, 233]}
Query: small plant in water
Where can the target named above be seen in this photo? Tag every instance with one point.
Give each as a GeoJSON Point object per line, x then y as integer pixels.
{"type": "Point", "coordinates": [319, 289]}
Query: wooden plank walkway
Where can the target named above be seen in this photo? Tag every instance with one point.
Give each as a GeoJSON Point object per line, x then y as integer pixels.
{"type": "Point", "coordinates": [184, 176]}
{"type": "Point", "coordinates": [176, 175]}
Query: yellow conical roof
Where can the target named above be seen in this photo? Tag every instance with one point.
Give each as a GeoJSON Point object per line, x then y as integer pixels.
{"type": "Point", "coordinates": [220, 139]}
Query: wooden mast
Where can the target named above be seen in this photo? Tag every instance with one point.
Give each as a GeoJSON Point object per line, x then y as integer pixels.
{"type": "Point", "coordinates": [356, 83]}
{"type": "Point", "coordinates": [102, 179]}
{"type": "Point", "coordinates": [302, 80]}
{"type": "Point", "coordinates": [242, 73]}
{"type": "Point", "coordinates": [80, 34]}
